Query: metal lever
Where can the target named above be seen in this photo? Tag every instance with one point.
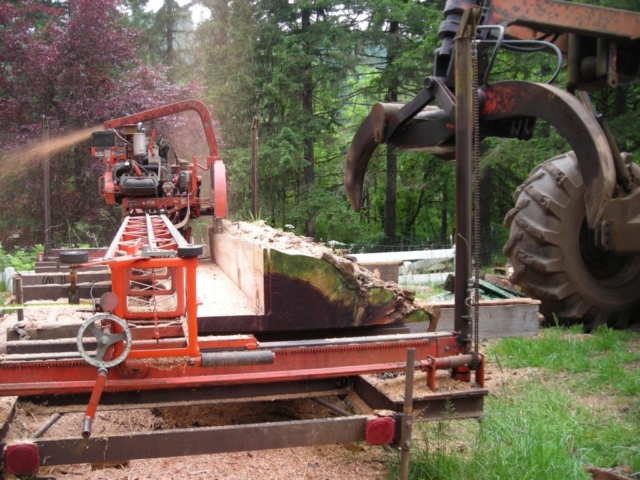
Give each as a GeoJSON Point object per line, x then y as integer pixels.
{"type": "Point", "coordinates": [93, 402]}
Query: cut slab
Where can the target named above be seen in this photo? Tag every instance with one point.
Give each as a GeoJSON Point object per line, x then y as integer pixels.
{"type": "Point", "coordinates": [219, 295]}
{"type": "Point", "coordinates": [296, 284]}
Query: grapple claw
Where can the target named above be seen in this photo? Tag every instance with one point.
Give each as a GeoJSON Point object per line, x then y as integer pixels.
{"type": "Point", "coordinates": [572, 120]}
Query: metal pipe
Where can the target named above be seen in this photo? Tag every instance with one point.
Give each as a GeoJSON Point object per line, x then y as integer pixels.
{"type": "Point", "coordinates": [464, 165]}
{"type": "Point", "coordinates": [459, 365]}
{"type": "Point", "coordinates": [443, 363]}
{"type": "Point", "coordinates": [49, 423]}
{"type": "Point", "coordinates": [93, 402]}
{"type": "Point", "coordinates": [407, 418]}
{"type": "Point", "coordinates": [233, 359]}
{"type": "Point", "coordinates": [332, 407]}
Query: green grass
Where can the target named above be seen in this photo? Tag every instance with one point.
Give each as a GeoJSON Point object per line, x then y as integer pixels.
{"type": "Point", "coordinates": [427, 291]}
{"type": "Point", "coordinates": [543, 427]}
{"type": "Point", "coordinates": [600, 359]}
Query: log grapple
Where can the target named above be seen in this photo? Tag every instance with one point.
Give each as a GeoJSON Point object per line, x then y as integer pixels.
{"type": "Point", "coordinates": [573, 232]}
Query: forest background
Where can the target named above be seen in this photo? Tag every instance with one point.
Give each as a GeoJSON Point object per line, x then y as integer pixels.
{"type": "Point", "coordinates": [308, 70]}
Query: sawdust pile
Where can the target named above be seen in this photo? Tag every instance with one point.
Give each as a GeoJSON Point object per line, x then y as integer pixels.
{"type": "Point", "coordinates": [36, 152]}
{"type": "Point", "coordinates": [393, 385]}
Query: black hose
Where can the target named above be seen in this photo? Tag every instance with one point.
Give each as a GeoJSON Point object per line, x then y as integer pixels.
{"type": "Point", "coordinates": [509, 45]}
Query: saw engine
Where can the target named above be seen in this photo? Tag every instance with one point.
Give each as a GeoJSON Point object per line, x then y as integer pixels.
{"type": "Point", "coordinates": [144, 174]}
{"type": "Point", "coordinates": [140, 175]}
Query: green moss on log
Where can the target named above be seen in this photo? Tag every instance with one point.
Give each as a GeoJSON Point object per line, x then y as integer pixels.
{"type": "Point", "coordinates": [317, 273]}
{"type": "Point", "coordinates": [418, 315]}
{"type": "Point", "coordinates": [379, 296]}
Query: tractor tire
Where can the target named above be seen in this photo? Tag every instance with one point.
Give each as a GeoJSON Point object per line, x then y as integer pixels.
{"type": "Point", "coordinates": [555, 259]}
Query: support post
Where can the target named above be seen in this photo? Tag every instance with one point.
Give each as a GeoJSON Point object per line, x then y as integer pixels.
{"type": "Point", "coordinates": [46, 167]}
{"type": "Point", "coordinates": [254, 168]}
{"type": "Point", "coordinates": [464, 165]}
{"type": "Point", "coordinates": [407, 415]}
{"type": "Point", "coordinates": [17, 291]}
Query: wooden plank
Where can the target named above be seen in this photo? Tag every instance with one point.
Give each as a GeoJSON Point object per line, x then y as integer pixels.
{"type": "Point", "coordinates": [498, 319]}
{"type": "Point", "coordinates": [387, 271]}
{"type": "Point", "coordinates": [243, 263]}
{"type": "Point", "coordinates": [54, 292]}
{"type": "Point", "coordinates": [43, 292]}
{"type": "Point", "coordinates": [60, 278]}
{"type": "Point", "coordinates": [423, 278]}
{"type": "Point", "coordinates": [69, 331]}
{"type": "Point", "coordinates": [94, 253]}
{"type": "Point", "coordinates": [65, 268]}
{"type": "Point", "coordinates": [411, 268]}
{"type": "Point", "coordinates": [442, 254]}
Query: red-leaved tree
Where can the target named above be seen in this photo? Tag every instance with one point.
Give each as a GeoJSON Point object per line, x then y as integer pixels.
{"type": "Point", "coordinates": [76, 64]}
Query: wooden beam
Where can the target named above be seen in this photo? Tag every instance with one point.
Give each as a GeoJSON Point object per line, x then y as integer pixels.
{"type": "Point", "coordinates": [300, 285]}
{"type": "Point", "coordinates": [243, 263]}
{"type": "Point", "coordinates": [498, 319]}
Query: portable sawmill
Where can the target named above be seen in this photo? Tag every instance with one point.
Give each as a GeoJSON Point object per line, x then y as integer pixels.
{"type": "Point", "coordinates": [160, 334]}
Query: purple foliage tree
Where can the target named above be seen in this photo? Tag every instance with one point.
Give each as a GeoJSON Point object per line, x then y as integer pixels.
{"type": "Point", "coordinates": [75, 63]}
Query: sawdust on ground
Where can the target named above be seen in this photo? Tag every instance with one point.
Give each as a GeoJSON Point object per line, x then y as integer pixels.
{"type": "Point", "coordinates": [393, 386]}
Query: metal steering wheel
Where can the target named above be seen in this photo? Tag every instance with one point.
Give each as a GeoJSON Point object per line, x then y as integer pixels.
{"type": "Point", "coordinates": [104, 340]}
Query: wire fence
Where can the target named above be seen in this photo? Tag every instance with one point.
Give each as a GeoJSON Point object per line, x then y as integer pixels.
{"type": "Point", "coordinates": [492, 239]}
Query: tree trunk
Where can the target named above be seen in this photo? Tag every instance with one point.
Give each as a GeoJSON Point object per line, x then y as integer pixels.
{"type": "Point", "coordinates": [391, 191]}
{"type": "Point", "coordinates": [486, 201]}
{"type": "Point", "coordinates": [444, 227]}
{"type": "Point", "coordinates": [307, 106]}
